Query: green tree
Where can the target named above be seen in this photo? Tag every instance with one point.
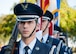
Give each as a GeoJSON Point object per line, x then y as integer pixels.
{"type": "Point", "coordinates": [68, 18]}
{"type": "Point", "coordinates": [6, 24]}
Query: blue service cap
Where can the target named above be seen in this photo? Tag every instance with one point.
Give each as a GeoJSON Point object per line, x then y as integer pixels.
{"type": "Point", "coordinates": [57, 28]}
{"type": "Point", "coordinates": [47, 16]}
{"type": "Point", "coordinates": [63, 34]}
{"type": "Point", "coordinates": [27, 11]}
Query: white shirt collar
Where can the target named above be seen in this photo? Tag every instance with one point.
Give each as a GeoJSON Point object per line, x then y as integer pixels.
{"type": "Point", "coordinates": [31, 45]}
{"type": "Point", "coordinates": [22, 44]}
{"type": "Point", "coordinates": [45, 38]}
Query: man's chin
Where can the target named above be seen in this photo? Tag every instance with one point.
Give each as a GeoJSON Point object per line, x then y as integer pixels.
{"type": "Point", "coordinates": [25, 36]}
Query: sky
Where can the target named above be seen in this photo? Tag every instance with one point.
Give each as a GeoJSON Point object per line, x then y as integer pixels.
{"type": "Point", "coordinates": [72, 3]}
{"type": "Point", "coordinates": [6, 5]}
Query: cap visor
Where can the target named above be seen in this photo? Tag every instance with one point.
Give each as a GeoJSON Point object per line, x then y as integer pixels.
{"type": "Point", "coordinates": [26, 19]}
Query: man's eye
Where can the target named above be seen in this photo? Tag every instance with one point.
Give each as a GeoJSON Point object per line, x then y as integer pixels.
{"type": "Point", "coordinates": [43, 20]}
{"type": "Point", "coordinates": [22, 22]}
{"type": "Point", "coordinates": [29, 21]}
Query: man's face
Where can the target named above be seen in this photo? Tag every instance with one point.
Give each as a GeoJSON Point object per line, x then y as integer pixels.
{"type": "Point", "coordinates": [44, 24]}
{"type": "Point", "coordinates": [26, 28]}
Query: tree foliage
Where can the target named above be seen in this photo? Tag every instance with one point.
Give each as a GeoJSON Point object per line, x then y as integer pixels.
{"type": "Point", "coordinates": [68, 19]}
{"type": "Point", "coordinates": [6, 25]}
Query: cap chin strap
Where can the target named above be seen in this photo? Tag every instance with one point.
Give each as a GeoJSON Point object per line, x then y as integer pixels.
{"type": "Point", "coordinates": [46, 27]}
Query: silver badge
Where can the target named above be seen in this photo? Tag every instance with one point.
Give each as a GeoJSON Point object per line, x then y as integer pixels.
{"type": "Point", "coordinates": [24, 6]}
{"type": "Point", "coordinates": [47, 40]}
{"type": "Point", "coordinates": [37, 48]}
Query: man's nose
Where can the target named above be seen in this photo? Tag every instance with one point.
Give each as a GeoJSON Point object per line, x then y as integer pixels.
{"type": "Point", "coordinates": [25, 25]}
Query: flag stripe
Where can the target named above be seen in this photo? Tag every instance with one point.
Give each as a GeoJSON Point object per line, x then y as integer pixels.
{"type": "Point", "coordinates": [46, 5]}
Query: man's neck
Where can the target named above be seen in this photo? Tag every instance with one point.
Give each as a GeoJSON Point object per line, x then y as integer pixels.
{"type": "Point", "coordinates": [28, 40]}
{"type": "Point", "coordinates": [45, 32]}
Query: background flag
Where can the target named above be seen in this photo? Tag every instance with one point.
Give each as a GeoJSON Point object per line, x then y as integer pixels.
{"type": "Point", "coordinates": [54, 7]}
{"type": "Point", "coordinates": [44, 4]}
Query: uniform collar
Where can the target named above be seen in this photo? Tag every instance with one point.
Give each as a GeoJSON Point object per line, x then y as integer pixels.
{"type": "Point", "coordinates": [45, 37]}
{"type": "Point", "coordinates": [31, 45]}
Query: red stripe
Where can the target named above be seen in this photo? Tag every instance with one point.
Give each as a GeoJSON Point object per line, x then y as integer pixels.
{"type": "Point", "coordinates": [46, 5]}
{"type": "Point", "coordinates": [51, 28]}
{"type": "Point", "coordinates": [41, 5]}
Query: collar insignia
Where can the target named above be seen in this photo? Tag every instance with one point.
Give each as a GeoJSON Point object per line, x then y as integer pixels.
{"type": "Point", "coordinates": [37, 48]}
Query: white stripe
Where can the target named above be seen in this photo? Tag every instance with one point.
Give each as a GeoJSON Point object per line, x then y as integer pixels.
{"type": "Point", "coordinates": [58, 47]}
{"type": "Point", "coordinates": [46, 17]}
{"type": "Point", "coordinates": [66, 48]}
{"type": "Point", "coordinates": [25, 20]}
{"type": "Point", "coordinates": [62, 37]}
{"type": "Point", "coordinates": [32, 16]}
{"type": "Point", "coordinates": [53, 5]}
{"type": "Point", "coordinates": [52, 50]}
{"type": "Point", "coordinates": [65, 53]}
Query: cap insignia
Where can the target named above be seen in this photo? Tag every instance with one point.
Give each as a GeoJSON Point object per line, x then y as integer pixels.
{"type": "Point", "coordinates": [24, 6]}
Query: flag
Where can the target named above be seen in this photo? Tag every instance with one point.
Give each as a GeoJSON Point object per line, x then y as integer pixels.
{"type": "Point", "coordinates": [54, 7]}
{"type": "Point", "coordinates": [44, 5]}
{"type": "Point", "coordinates": [51, 28]}
{"type": "Point", "coordinates": [57, 14]}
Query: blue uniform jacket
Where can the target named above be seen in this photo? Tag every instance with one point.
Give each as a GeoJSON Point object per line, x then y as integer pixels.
{"type": "Point", "coordinates": [52, 41]}
{"type": "Point", "coordinates": [67, 50]}
{"type": "Point", "coordinates": [39, 48]}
